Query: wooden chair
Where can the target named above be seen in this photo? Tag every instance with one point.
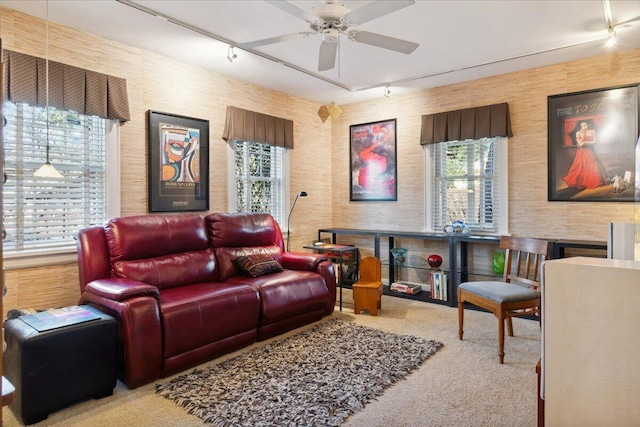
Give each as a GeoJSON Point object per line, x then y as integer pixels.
{"type": "Point", "coordinates": [523, 258]}
{"type": "Point", "coordinates": [367, 291]}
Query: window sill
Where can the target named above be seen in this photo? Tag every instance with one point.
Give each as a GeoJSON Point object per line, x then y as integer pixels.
{"type": "Point", "coordinates": [38, 259]}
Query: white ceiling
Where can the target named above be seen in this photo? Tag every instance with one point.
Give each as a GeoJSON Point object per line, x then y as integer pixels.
{"type": "Point", "coordinates": [459, 40]}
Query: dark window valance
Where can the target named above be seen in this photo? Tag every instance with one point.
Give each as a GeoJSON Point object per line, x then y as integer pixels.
{"type": "Point", "coordinates": [245, 125]}
{"type": "Point", "coordinates": [470, 123]}
{"type": "Point", "coordinates": [70, 88]}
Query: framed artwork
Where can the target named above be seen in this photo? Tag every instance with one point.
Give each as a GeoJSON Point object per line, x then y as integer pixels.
{"type": "Point", "coordinates": [592, 138]}
{"type": "Point", "coordinates": [178, 163]}
{"type": "Point", "coordinates": [372, 160]}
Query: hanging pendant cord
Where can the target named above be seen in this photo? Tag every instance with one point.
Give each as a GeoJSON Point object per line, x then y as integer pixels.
{"type": "Point", "coordinates": [46, 77]}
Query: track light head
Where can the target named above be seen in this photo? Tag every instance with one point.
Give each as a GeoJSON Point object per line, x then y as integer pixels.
{"type": "Point", "coordinates": [387, 91]}
{"type": "Point", "coordinates": [612, 36]}
{"type": "Point", "coordinates": [231, 55]}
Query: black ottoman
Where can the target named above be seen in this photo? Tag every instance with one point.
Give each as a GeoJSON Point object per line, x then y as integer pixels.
{"type": "Point", "coordinates": [55, 368]}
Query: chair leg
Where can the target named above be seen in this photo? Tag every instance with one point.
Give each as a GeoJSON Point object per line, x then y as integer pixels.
{"type": "Point", "coordinates": [357, 301]}
{"type": "Point", "coordinates": [501, 321]}
{"type": "Point", "coordinates": [509, 326]}
{"type": "Point", "coordinates": [460, 318]}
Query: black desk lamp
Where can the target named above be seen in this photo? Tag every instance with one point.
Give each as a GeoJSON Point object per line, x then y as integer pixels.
{"type": "Point", "coordinates": [300, 194]}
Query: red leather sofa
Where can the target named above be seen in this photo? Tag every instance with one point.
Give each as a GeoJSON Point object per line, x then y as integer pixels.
{"type": "Point", "coordinates": [180, 298]}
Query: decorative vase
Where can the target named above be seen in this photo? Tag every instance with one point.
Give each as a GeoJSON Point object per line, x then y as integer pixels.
{"type": "Point", "coordinates": [497, 261]}
{"type": "Point", "coordinates": [434, 260]}
{"type": "Point", "coordinates": [399, 254]}
{"type": "Point", "coordinates": [457, 227]}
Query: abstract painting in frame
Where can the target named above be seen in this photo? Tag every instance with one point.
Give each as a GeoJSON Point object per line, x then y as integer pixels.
{"type": "Point", "coordinates": [178, 163]}
{"type": "Point", "coordinates": [373, 159]}
{"type": "Point", "coordinates": [592, 138]}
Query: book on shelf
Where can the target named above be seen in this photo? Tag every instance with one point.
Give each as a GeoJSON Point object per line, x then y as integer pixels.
{"type": "Point", "coordinates": [408, 288]}
{"type": "Point", "coordinates": [439, 285]}
{"type": "Point", "coordinates": [58, 318]}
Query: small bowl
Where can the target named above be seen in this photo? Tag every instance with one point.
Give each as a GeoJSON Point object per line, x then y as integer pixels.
{"type": "Point", "coordinates": [434, 260]}
{"type": "Point", "coordinates": [399, 254]}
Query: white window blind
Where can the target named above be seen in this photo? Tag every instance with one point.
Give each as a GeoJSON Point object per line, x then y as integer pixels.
{"type": "Point", "coordinates": [468, 183]}
{"type": "Point", "coordinates": [259, 175]}
{"type": "Point", "coordinates": [45, 213]}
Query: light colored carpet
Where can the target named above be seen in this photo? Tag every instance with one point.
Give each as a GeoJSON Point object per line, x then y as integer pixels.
{"type": "Point", "coordinates": [463, 384]}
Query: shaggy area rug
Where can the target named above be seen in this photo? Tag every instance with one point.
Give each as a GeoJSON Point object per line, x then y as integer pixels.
{"type": "Point", "coordinates": [315, 378]}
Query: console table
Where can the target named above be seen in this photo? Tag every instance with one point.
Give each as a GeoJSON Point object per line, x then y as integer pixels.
{"type": "Point", "coordinates": [458, 266]}
{"type": "Point", "coordinates": [458, 253]}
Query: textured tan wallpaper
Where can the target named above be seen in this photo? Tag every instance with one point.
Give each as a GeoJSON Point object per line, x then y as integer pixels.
{"type": "Point", "coordinates": [320, 161]}
{"type": "Point", "coordinates": [158, 83]}
{"type": "Point", "coordinates": [530, 214]}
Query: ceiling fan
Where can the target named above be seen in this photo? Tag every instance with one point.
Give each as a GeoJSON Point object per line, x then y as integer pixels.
{"type": "Point", "coordinates": [332, 19]}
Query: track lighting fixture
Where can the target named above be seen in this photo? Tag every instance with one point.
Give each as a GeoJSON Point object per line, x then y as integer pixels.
{"type": "Point", "coordinates": [387, 91]}
{"type": "Point", "coordinates": [231, 55]}
{"type": "Point", "coordinates": [612, 37]}
{"type": "Point", "coordinates": [608, 17]}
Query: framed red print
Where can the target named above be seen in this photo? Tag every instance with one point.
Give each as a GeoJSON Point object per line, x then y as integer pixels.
{"type": "Point", "coordinates": [592, 138]}
{"type": "Point", "coordinates": [373, 159]}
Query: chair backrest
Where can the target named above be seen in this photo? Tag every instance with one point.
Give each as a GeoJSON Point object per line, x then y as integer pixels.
{"type": "Point", "coordinates": [370, 269]}
{"type": "Point", "coordinates": [523, 258]}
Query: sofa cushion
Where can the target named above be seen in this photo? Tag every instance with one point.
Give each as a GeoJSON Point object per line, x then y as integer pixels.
{"type": "Point", "coordinates": [287, 294]}
{"type": "Point", "coordinates": [151, 236]}
{"type": "Point", "coordinates": [258, 265]}
{"type": "Point", "coordinates": [241, 229]}
{"type": "Point", "coordinates": [171, 270]}
{"type": "Point", "coordinates": [202, 313]}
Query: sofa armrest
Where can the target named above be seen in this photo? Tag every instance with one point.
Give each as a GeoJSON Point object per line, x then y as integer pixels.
{"type": "Point", "coordinates": [318, 263]}
{"type": "Point", "coordinates": [121, 289]}
{"type": "Point", "coordinates": [135, 306]}
{"type": "Point", "coordinates": [302, 260]}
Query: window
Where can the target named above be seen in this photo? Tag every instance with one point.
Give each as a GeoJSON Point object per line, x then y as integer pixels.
{"type": "Point", "coordinates": [42, 215]}
{"type": "Point", "coordinates": [468, 182]}
{"type": "Point", "coordinates": [259, 179]}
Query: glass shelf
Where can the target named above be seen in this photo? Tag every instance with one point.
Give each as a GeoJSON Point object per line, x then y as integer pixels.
{"type": "Point", "coordinates": [418, 266]}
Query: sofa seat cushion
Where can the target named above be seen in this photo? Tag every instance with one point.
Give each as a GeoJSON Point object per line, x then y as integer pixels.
{"type": "Point", "coordinates": [287, 294]}
{"type": "Point", "coordinates": [199, 314]}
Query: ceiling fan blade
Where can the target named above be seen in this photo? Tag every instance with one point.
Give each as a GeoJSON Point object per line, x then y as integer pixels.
{"type": "Point", "coordinates": [272, 40]}
{"type": "Point", "coordinates": [376, 9]}
{"type": "Point", "coordinates": [628, 21]}
{"type": "Point", "coordinates": [291, 9]}
{"type": "Point", "coordinates": [384, 42]}
{"type": "Point", "coordinates": [327, 59]}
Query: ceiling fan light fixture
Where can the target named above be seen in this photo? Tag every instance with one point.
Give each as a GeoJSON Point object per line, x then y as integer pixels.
{"type": "Point", "coordinates": [330, 35]}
